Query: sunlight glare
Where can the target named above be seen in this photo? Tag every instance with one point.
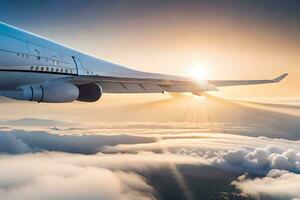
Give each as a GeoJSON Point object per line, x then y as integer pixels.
{"type": "Point", "coordinates": [200, 72]}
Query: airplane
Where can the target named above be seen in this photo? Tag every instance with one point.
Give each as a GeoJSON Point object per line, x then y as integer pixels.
{"type": "Point", "coordinates": [33, 68]}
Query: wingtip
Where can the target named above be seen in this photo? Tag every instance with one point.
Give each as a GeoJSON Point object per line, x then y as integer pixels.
{"type": "Point", "coordinates": [281, 77]}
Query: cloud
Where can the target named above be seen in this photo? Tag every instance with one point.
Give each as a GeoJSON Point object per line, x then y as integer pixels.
{"type": "Point", "coordinates": [255, 160]}
{"type": "Point", "coordinates": [35, 122]}
{"type": "Point", "coordinates": [34, 173]}
{"type": "Point", "coordinates": [86, 183]}
{"type": "Point", "coordinates": [83, 184]}
{"type": "Point", "coordinates": [258, 161]}
{"type": "Point", "coordinates": [76, 176]}
{"type": "Point", "coordinates": [278, 169]}
{"type": "Point", "coordinates": [63, 176]}
{"type": "Point", "coordinates": [135, 186]}
{"type": "Point", "coordinates": [230, 152]}
{"type": "Point", "coordinates": [278, 184]}
{"type": "Point", "coordinates": [11, 145]}
{"type": "Point", "coordinates": [22, 141]}
{"type": "Point", "coordinates": [257, 155]}
{"type": "Point", "coordinates": [204, 142]}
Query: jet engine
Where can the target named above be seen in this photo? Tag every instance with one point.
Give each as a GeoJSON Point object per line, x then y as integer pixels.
{"type": "Point", "coordinates": [91, 92]}
{"type": "Point", "coordinates": [50, 92]}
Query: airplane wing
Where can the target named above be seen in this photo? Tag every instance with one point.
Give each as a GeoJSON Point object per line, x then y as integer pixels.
{"type": "Point", "coordinates": [223, 83]}
{"type": "Point", "coordinates": [90, 88]}
{"type": "Point", "coordinates": [162, 84]}
{"type": "Point", "coordinates": [142, 85]}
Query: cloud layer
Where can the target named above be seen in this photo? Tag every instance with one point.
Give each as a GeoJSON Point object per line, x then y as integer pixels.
{"type": "Point", "coordinates": [130, 151]}
{"type": "Point", "coordinates": [62, 176]}
{"type": "Point", "coordinates": [22, 141]}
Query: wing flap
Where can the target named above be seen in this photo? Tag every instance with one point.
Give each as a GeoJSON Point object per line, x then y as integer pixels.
{"type": "Point", "coordinates": [123, 87]}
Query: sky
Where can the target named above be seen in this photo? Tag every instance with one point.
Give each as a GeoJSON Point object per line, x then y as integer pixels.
{"type": "Point", "coordinates": [241, 143]}
{"type": "Point", "coordinates": [228, 39]}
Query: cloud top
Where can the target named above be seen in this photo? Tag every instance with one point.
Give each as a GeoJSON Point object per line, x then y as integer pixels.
{"type": "Point", "coordinates": [278, 184]}
{"type": "Point", "coordinates": [24, 141]}
{"type": "Point", "coordinates": [62, 176]}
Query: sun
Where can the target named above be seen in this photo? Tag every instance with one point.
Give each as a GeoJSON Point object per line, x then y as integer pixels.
{"type": "Point", "coordinates": [199, 72]}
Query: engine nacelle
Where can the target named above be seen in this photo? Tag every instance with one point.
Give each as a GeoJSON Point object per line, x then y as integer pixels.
{"type": "Point", "coordinates": [51, 92]}
{"type": "Point", "coordinates": [91, 92]}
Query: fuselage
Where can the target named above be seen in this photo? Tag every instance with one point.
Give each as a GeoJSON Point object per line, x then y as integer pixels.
{"type": "Point", "coordinates": [26, 58]}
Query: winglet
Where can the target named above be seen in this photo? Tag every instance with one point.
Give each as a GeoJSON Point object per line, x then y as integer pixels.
{"type": "Point", "coordinates": [280, 78]}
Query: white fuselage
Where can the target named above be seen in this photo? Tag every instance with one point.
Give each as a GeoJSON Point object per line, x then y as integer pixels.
{"type": "Point", "coordinates": [27, 59]}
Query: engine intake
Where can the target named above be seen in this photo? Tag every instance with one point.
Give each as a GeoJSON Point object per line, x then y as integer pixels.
{"type": "Point", "coordinates": [91, 92]}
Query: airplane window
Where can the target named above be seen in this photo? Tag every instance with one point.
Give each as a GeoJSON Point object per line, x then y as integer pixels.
{"type": "Point", "coordinates": [61, 70]}
{"type": "Point", "coordinates": [38, 57]}
{"type": "Point", "coordinates": [42, 68]}
{"type": "Point", "coordinates": [18, 54]}
{"type": "Point", "coordinates": [66, 70]}
{"type": "Point", "coordinates": [47, 69]}
{"type": "Point", "coordinates": [31, 68]}
{"type": "Point", "coordinates": [52, 69]}
{"type": "Point", "coordinates": [57, 69]}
